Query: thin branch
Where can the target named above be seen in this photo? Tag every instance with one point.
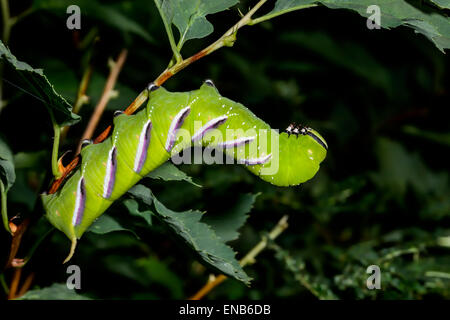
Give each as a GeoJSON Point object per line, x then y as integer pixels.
{"type": "Point", "coordinates": [14, 283]}
{"type": "Point", "coordinates": [249, 258]}
{"type": "Point", "coordinates": [15, 242]}
{"type": "Point", "coordinates": [279, 13]}
{"type": "Point", "coordinates": [26, 285]}
{"type": "Point", "coordinates": [82, 98]}
{"type": "Point", "coordinates": [106, 95]}
{"type": "Point", "coordinates": [168, 27]}
{"type": "Point", "coordinates": [3, 283]}
{"type": "Point", "coordinates": [7, 23]}
{"type": "Point", "coordinates": [227, 39]}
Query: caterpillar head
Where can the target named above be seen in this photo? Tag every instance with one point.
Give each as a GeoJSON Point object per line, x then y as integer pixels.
{"type": "Point", "coordinates": [295, 158]}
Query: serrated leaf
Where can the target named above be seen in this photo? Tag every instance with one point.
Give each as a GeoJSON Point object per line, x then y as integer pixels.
{"type": "Point", "coordinates": [189, 16]}
{"type": "Point", "coordinates": [169, 172]}
{"type": "Point", "coordinates": [7, 171]}
{"type": "Point", "coordinates": [36, 83]}
{"type": "Point", "coordinates": [56, 291]}
{"type": "Point", "coordinates": [226, 224]}
{"type": "Point", "coordinates": [107, 14]}
{"type": "Point", "coordinates": [394, 13]}
{"type": "Point", "coordinates": [199, 237]}
{"type": "Point", "coordinates": [133, 208]}
{"type": "Point", "coordinates": [106, 224]}
{"type": "Point", "coordinates": [142, 193]}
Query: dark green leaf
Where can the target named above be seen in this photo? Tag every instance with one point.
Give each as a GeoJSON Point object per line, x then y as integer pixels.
{"type": "Point", "coordinates": [200, 237]}
{"type": "Point", "coordinates": [105, 224]}
{"type": "Point", "coordinates": [190, 16]}
{"type": "Point", "coordinates": [133, 208]}
{"type": "Point", "coordinates": [226, 224]}
{"type": "Point", "coordinates": [169, 172]}
{"type": "Point", "coordinates": [443, 4]}
{"type": "Point", "coordinates": [56, 291]}
{"type": "Point", "coordinates": [7, 172]}
{"type": "Point", "coordinates": [35, 82]}
{"type": "Point", "coordinates": [431, 23]}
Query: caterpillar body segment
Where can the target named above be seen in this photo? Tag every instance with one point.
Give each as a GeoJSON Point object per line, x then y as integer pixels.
{"type": "Point", "coordinates": [170, 123]}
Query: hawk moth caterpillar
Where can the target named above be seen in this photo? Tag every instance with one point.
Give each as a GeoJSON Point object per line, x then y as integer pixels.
{"type": "Point", "coordinates": [170, 123]}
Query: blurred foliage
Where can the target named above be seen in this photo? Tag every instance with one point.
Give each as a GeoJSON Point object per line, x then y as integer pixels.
{"type": "Point", "coordinates": [382, 196]}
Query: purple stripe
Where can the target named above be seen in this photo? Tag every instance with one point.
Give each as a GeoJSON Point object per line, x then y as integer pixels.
{"type": "Point", "coordinates": [254, 161]}
{"type": "Point", "coordinates": [214, 123]}
{"type": "Point", "coordinates": [110, 176]}
{"type": "Point", "coordinates": [80, 203]}
{"type": "Point", "coordinates": [174, 126]}
{"type": "Point", "coordinates": [235, 143]}
{"type": "Point", "coordinates": [144, 148]}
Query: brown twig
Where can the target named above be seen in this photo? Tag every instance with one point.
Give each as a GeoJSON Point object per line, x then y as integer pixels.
{"type": "Point", "coordinates": [82, 98]}
{"type": "Point", "coordinates": [106, 95]}
{"type": "Point", "coordinates": [14, 283]}
{"type": "Point", "coordinates": [15, 242]}
{"type": "Point", "coordinates": [26, 285]}
{"type": "Point", "coordinates": [248, 259]}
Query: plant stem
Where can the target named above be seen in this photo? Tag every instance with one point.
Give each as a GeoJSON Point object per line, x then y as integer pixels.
{"type": "Point", "coordinates": [168, 27]}
{"type": "Point", "coordinates": [56, 133]}
{"type": "Point", "coordinates": [3, 283]}
{"type": "Point", "coordinates": [82, 98]}
{"type": "Point", "coordinates": [249, 258]}
{"type": "Point", "coordinates": [4, 207]}
{"type": "Point", "coordinates": [7, 22]}
{"type": "Point", "coordinates": [279, 13]}
{"type": "Point", "coordinates": [227, 39]}
{"type": "Point", "coordinates": [106, 95]}
{"type": "Point", "coordinates": [14, 283]}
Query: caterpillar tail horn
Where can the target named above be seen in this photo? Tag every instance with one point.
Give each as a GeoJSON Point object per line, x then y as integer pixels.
{"type": "Point", "coordinates": [72, 250]}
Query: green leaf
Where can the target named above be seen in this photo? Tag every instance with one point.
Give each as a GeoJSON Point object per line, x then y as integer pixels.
{"type": "Point", "coordinates": [142, 193]}
{"type": "Point", "coordinates": [7, 172]}
{"type": "Point", "coordinates": [169, 172]}
{"type": "Point", "coordinates": [133, 208]}
{"type": "Point", "coordinates": [56, 291]}
{"type": "Point", "coordinates": [106, 14]}
{"type": "Point", "coordinates": [226, 224]}
{"type": "Point", "coordinates": [106, 224]}
{"type": "Point", "coordinates": [189, 16]}
{"type": "Point", "coordinates": [284, 6]}
{"type": "Point", "coordinates": [200, 237]}
{"type": "Point", "coordinates": [443, 4]}
{"type": "Point", "coordinates": [35, 82]}
{"type": "Point", "coordinates": [430, 22]}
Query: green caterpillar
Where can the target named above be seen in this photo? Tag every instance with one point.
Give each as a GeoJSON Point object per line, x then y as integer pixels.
{"type": "Point", "coordinates": [170, 123]}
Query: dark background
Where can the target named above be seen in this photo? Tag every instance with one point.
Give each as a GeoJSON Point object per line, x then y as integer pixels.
{"type": "Point", "coordinates": [378, 97]}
